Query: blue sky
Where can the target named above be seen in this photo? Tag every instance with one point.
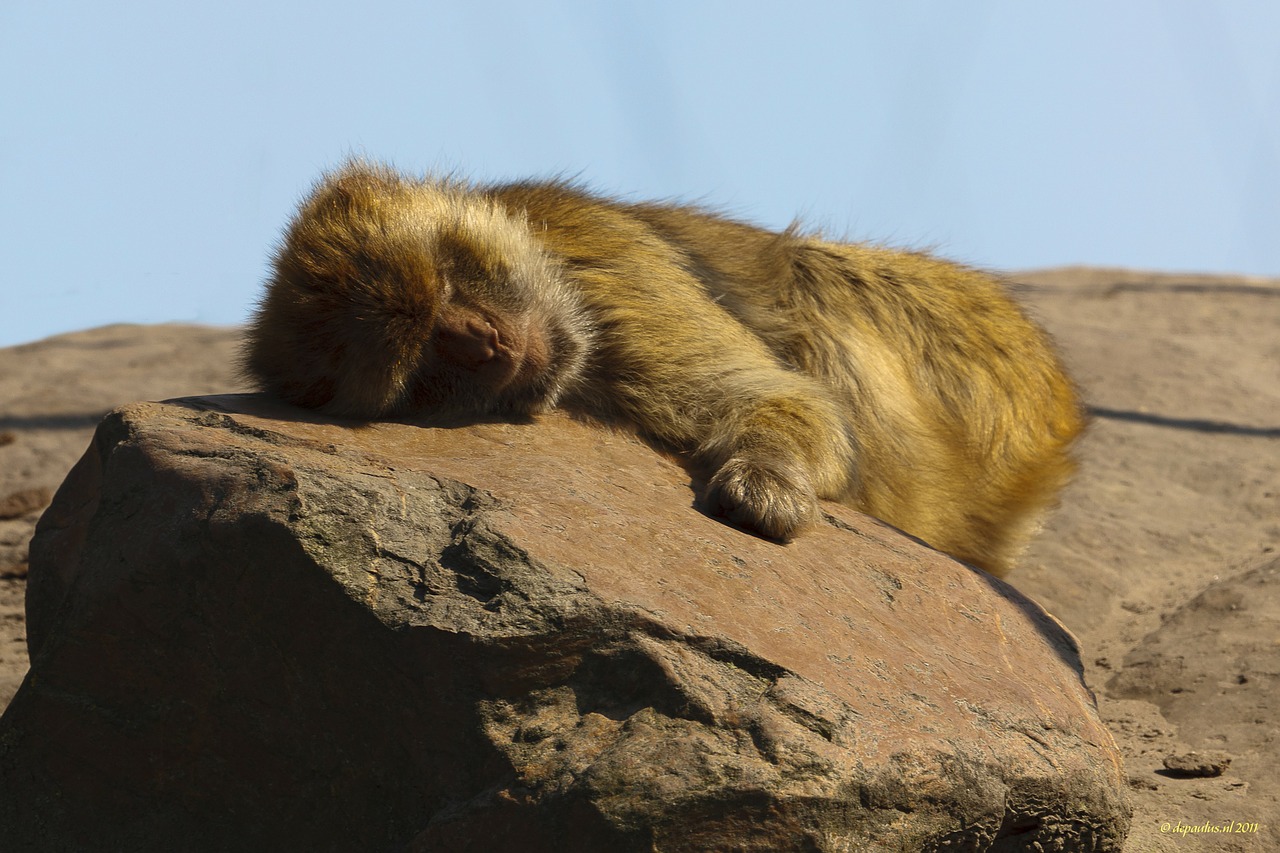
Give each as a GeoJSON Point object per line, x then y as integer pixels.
{"type": "Point", "coordinates": [150, 152]}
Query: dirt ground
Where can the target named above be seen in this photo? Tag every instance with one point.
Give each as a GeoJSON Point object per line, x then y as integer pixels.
{"type": "Point", "coordinates": [1162, 558]}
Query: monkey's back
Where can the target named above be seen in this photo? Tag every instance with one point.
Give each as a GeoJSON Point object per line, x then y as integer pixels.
{"type": "Point", "coordinates": [961, 409]}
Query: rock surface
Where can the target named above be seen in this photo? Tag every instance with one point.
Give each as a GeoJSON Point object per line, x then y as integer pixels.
{"type": "Point", "coordinates": [251, 628]}
{"type": "Point", "coordinates": [1198, 764]}
{"type": "Point", "coordinates": [53, 393]}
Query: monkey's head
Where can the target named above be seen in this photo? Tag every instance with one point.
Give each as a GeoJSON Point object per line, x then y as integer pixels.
{"type": "Point", "coordinates": [397, 296]}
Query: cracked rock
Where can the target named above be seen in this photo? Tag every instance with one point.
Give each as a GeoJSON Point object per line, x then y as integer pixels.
{"type": "Point", "coordinates": [253, 628]}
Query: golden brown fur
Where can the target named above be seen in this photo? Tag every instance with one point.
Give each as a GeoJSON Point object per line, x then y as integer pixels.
{"type": "Point", "coordinates": [792, 367]}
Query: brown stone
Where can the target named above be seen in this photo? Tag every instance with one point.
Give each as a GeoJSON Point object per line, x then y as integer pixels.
{"type": "Point", "coordinates": [19, 503]}
{"type": "Point", "coordinates": [1198, 765]}
{"type": "Point", "coordinates": [252, 628]}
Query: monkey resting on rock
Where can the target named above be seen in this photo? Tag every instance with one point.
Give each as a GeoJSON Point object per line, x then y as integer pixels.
{"type": "Point", "coordinates": [790, 367]}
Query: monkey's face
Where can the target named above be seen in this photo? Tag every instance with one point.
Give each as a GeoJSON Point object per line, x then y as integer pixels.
{"type": "Point", "coordinates": [395, 297]}
{"type": "Point", "coordinates": [493, 348]}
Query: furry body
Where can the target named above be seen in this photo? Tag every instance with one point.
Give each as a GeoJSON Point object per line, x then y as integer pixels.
{"type": "Point", "coordinates": [793, 368]}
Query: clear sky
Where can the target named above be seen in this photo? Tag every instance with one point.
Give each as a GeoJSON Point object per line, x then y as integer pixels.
{"type": "Point", "coordinates": [150, 152]}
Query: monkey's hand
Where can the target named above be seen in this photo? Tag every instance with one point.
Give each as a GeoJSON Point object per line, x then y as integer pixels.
{"type": "Point", "coordinates": [775, 455]}
{"type": "Point", "coordinates": [764, 496]}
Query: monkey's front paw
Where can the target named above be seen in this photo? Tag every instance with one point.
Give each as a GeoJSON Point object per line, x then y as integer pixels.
{"type": "Point", "coordinates": [763, 498]}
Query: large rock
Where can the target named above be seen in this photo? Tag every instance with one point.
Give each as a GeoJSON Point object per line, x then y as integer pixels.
{"type": "Point", "coordinates": [253, 629]}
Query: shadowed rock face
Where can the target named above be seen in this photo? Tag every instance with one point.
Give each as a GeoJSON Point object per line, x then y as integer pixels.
{"type": "Point", "coordinates": [251, 628]}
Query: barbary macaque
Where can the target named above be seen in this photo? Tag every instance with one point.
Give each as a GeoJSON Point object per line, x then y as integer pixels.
{"type": "Point", "coordinates": [789, 367]}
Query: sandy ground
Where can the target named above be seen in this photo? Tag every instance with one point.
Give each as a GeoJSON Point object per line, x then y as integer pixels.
{"type": "Point", "coordinates": [1162, 558]}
